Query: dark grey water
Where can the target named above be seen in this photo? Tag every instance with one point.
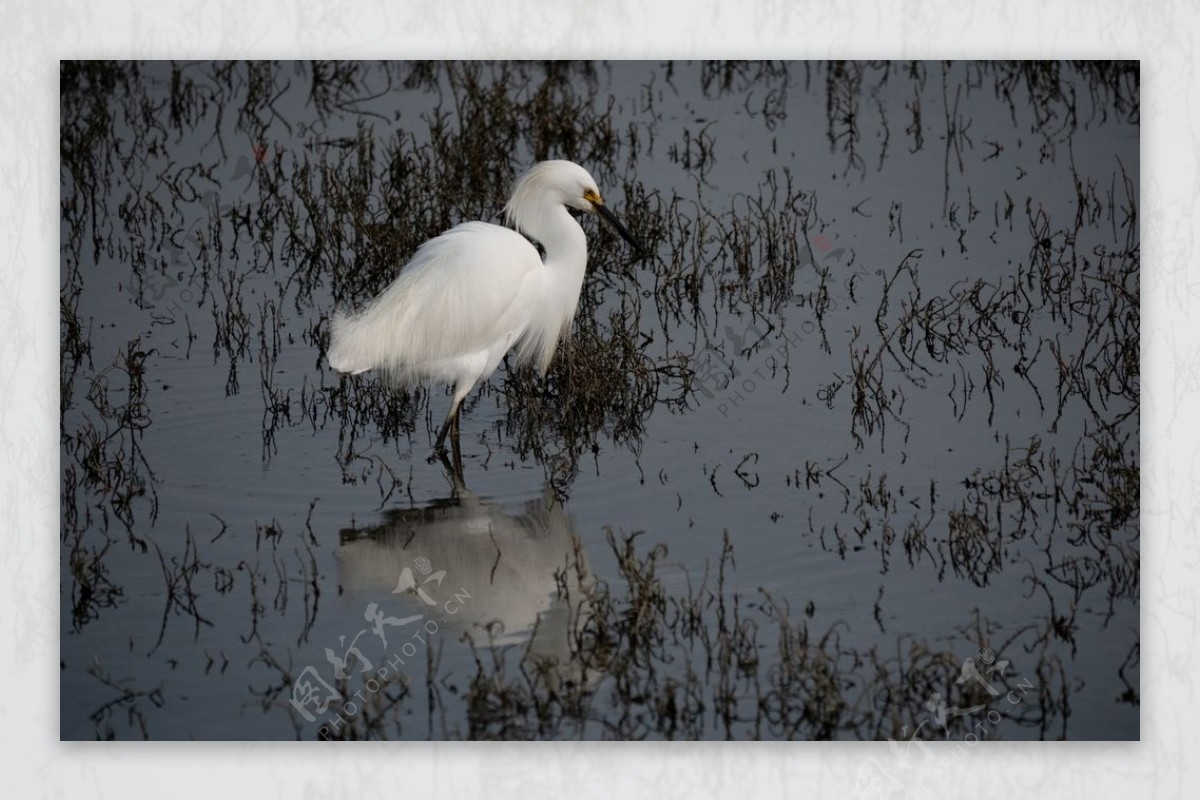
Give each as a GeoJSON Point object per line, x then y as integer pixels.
{"type": "Point", "coordinates": [854, 454]}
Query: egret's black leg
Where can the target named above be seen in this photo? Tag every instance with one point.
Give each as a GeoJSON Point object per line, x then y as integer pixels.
{"type": "Point", "coordinates": [454, 471]}
{"type": "Point", "coordinates": [455, 446]}
{"type": "Point", "coordinates": [451, 423]}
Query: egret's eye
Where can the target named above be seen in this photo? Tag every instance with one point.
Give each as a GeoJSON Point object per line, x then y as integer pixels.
{"type": "Point", "coordinates": [592, 196]}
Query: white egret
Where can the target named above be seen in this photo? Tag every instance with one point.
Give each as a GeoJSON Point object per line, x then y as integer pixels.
{"type": "Point", "coordinates": [473, 293]}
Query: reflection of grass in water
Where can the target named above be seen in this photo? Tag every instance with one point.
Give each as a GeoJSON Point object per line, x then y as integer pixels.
{"type": "Point", "coordinates": [648, 655]}
{"type": "Point", "coordinates": [107, 461]}
{"type": "Point", "coordinates": [646, 661]}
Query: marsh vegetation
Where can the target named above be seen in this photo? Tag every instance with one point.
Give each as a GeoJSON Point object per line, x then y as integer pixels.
{"type": "Point", "coordinates": [854, 453]}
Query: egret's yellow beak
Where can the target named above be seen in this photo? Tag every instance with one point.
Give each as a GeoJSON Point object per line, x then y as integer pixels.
{"type": "Point", "coordinates": [610, 218]}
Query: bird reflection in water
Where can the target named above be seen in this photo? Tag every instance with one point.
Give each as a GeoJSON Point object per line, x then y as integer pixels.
{"type": "Point", "coordinates": [521, 572]}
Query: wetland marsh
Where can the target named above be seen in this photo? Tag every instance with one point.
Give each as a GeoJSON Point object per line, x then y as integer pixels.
{"type": "Point", "coordinates": [852, 452]}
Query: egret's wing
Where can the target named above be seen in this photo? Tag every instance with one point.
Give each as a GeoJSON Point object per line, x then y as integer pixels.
{"type": "Point", "coordinates": [464, 292]}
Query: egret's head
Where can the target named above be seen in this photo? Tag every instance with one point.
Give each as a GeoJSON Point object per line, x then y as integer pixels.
{"type": "Point", "coordinates": [558, 182]}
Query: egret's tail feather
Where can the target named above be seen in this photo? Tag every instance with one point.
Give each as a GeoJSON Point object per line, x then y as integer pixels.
{"type": "Point", "coordinates": [348, 346]}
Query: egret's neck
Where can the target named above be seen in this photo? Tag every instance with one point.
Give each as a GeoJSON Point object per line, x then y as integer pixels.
{"type": "Point", "coordinates": [565, 260]}
{"type": "Point", "coordinates": [563, 239]}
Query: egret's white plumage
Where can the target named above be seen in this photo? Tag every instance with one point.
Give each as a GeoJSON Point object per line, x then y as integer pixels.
{"type": "Point", "coordinates": [478, 290]}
